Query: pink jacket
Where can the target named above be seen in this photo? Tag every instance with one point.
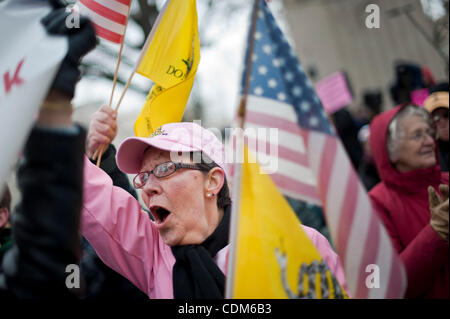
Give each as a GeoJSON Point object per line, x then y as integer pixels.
{"type": "Point", "coordinates": [125, 238]}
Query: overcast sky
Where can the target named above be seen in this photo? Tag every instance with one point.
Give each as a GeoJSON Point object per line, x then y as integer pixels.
{"type": "Point", "coordinates": [433, 8]}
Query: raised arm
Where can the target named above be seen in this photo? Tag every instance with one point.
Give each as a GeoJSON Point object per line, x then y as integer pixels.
{"type": "Point", "coordinates": [121, 233]}
{"type": "Point", "coordinates": [46, 221]}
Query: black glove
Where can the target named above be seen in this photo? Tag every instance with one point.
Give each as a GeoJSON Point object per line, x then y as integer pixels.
{"type": "Point", "coordinates": [81, 41]}
{"type": "Point", "coordinates": [56, 4]}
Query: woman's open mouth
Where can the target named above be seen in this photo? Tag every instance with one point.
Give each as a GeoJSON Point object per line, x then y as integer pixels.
{"type": "Point", "coordinates": [160, 214]}
{"type": "Point", "coordinates": [428, 153]}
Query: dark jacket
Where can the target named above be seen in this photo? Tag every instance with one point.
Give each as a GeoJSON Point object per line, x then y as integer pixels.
{"type": "Point", "coordinates": [348, 133]}
{"type": "Point", "coordinates": [401, 200]}
{"type": "Point", "coordinates": [443, 149]}
{"type": "Point", "coordinates": [368, 173]}
{"type": "Point", "coordinates": [5, 243]}
{"type": "Point", "coordinates": [46, 221]}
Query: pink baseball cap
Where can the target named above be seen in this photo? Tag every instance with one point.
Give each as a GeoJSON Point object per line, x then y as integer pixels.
{"type": "Point", "coordinates": [182, 137]}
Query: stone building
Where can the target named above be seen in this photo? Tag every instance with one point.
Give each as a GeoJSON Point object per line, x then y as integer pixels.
{"type": "Point", "coordinates": [331, 35]}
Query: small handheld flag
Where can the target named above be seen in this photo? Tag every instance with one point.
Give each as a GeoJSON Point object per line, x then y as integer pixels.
{"type": "Point", "coordinates": [109, 17]}
{"type": "Point", "coordinates": [170, 58]}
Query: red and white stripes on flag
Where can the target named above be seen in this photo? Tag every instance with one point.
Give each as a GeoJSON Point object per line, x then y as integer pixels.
{"type": "Point", "coordinates": [361, 240]}
{"type": "Point", "coordinates": [313, 165]}
{"type": "Point", "coordinates": [293, 177]}
{"type": "Point", "coordinates": [108, 16]}
{"type": "Point", "coordinates": [315, 168]}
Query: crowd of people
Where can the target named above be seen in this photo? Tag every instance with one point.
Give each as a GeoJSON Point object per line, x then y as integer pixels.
{"type": "Point", "coordinates": [177, 245]}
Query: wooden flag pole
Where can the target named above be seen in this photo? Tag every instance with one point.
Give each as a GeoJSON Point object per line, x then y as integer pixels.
{"type": "Point", "coordinates": [125, 90]}
{"type": "Point", "coordinates": [101, 148]}
{"type": "Point", "coordinates": [115, 74]}
{"type": "Point", "coordinates": [237, 180]}
{"type": "Point", "coordinates": [143, 51]}
{"type": "Point", "coordinates": [116, 109]}
{"type": "Point", "coordinates": [99, 159]}
{"type": "Point", "coordinates": [141, 56]}
{"type": "Point", "coordinates": [249, 64]}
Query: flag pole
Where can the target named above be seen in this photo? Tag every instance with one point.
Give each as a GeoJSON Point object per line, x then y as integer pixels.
{"type": "Point", "coordinates": [143, 51]}
{"type": "Point", "coordinates": [249, 64]}
{"type": "Point", "coordinates": [125, 89]}
{"type": "Point", "coordinates": [102, 147]}
{"type": "Point", "coordinates": [99, 152]}
{"type": "Point", "coordinates": [147, 43]}
{"type": "Point", "coordinates": [115, 74]}
{"type": "Point", "coordinates": [237, 180]}
{"type": "Point", "coordinates": [141, 56]}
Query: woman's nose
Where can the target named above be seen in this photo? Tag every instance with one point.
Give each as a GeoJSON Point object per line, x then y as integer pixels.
{"type": "Point", "coordinates": [429, 140]}
{"type": "Point", "coordinates": [152, 186]}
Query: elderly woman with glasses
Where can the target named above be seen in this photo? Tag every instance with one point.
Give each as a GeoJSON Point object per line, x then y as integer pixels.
{"type": "Point", "coordinates": [180, 170]}
{"type": "Point", "coordinates": [403, 145]}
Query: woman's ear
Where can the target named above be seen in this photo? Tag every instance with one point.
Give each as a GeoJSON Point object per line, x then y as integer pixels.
{"type": "Point", "coordinates": [214, 181]}
{"type": "Point", "coordinates": [4, 217]}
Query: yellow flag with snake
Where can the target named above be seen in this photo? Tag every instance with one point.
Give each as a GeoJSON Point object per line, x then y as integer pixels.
{"type": "Point", "coordinates": [171, 58]}
{"type": "Point", "coordinates": [273, 257]}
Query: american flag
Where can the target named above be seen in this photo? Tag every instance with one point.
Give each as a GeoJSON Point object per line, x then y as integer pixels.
{"type": "Point", "coordinates": [108, 16]}
{"type": "Point", "coordinates": [313, 165]}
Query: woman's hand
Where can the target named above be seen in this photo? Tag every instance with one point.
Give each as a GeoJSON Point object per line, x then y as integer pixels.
{"type": "Point", "coordinates": [439, 210]}
{"type": "Point", "coordinates": [102, 130]}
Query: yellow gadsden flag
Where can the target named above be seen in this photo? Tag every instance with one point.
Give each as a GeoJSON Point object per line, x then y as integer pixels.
{"type": "Point", "coordinates": [274, 258]}
{"type": "Point", "coordinates": [171, 57]}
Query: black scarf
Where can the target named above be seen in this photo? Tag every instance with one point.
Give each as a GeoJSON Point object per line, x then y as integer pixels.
{"type": "Point", "coordinates": [195, 274]}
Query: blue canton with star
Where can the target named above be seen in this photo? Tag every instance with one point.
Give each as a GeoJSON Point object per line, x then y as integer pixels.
{"type": "Point", "coordinates": [277, 74]}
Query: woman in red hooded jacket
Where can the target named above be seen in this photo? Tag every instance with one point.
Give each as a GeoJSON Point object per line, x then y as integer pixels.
{"type": "Point", "coordinates": [405, 155]}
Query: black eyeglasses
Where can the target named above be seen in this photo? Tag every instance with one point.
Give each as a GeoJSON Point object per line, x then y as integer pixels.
{"type": "Point", "coordinates": [161, 171]}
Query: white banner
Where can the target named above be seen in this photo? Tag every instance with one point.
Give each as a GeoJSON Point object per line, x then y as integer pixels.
{"type": "Point", "coordinates": [29, 59]}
